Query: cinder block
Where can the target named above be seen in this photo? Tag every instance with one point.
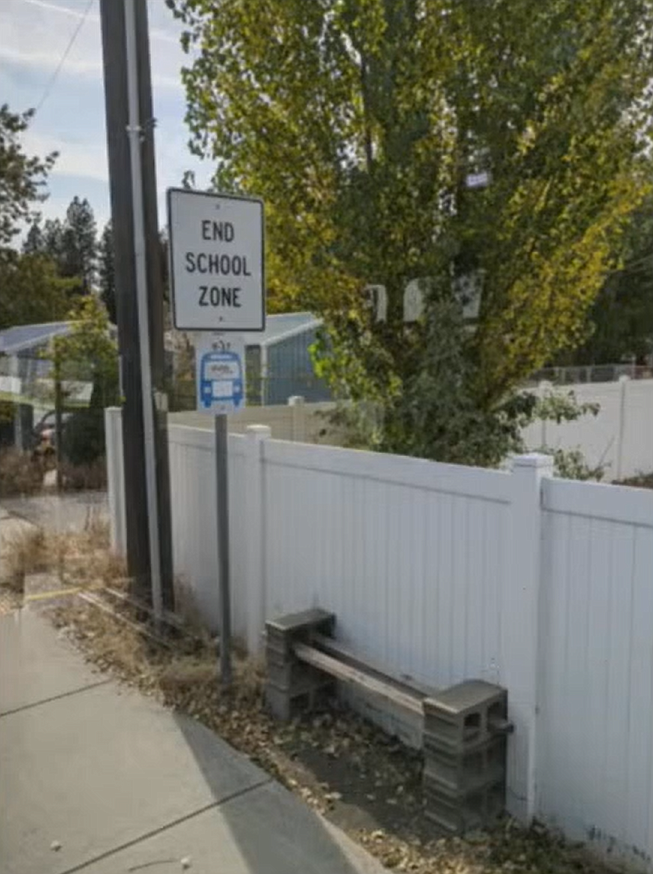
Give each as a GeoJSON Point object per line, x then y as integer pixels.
{"type": "Point", "coordinates": [300, 625]}
{"type": "Point", "coordinates": [467, 771]}
{"type": "Point", "coordinates": [465, 755]}
{"type": "Point", "coordinates": [293, 675]}
{"type": "Point", "coordinates": [291, 685]}
{"type": "Point", "coordinates": [461, 813]}
{"type": "Point", "coordinates": [286, 703]}
{"type": "Point", "coordinates": [465, 715]}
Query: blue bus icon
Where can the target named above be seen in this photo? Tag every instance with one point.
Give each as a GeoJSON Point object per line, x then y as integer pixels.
{"type": "Point", "coordinates": [221, 379]}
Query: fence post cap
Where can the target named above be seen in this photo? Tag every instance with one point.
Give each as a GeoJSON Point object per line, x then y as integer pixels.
{"type": "Point", "coordinates": [533, 460]}
{"type": "Point", "coordinates": [258, 432]}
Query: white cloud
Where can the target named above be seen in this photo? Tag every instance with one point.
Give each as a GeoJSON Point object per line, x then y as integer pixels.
{"type": "Point", "coordinates": [87, 159]}
{"type": "Point", "coordinates": [45, 60]}
{"type": "Point", "coordinates": [155, 33]}
{"type": "Point", "coordinates": [35, 33]}
{"type": "Point", "coordinates": [33, 36]}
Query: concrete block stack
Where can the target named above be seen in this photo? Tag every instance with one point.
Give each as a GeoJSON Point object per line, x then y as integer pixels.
{"type": "Point", "coordinates": [465, 730]}
{"type": "Point", "coordinates": [292, 686]}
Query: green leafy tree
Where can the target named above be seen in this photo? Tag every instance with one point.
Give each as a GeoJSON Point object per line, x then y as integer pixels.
{"type": "Point", "coordinates": [87, 354]}
{"type": "Point", "coordinates": [107, 271]}
{"type": "Point", "coordinates": [22, 177]}
{"type": "Point", "coordinates": [89, 351]}
{"type": "Point", "coordinates": [438, 417]}
{"type": "Point", "coordinates": [32, 291]}
{"type": "Point", "coordinates": [393, 140]}
{"type": "Point", "coordinates": [621, 317]}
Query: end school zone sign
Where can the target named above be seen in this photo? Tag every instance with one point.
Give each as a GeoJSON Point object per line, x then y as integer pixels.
{"type": "Point", "coordinates": [216, 261]}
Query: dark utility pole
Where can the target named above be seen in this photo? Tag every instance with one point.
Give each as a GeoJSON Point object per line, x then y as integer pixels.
{"type": "Point", "coordinates": [113, 20]}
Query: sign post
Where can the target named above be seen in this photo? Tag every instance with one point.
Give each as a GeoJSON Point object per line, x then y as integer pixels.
{"type": "Point", "coordinates": [218, 286]}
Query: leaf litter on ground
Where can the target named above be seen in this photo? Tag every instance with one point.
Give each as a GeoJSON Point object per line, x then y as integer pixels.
{"type": "Point", "coordinates": [344, 767]}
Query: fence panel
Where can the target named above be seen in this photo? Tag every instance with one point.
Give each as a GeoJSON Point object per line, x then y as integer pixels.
{"type": "Point", "coordinates": [596, 705]}
{"type": "Point", "coordinates": [637, 445]}
{"type": "Point", "coordinates": [409, 555]}
{"type": "Point", "coordinates": [442, 573]}
{"type": "Point", "coordinates": [194, 527]}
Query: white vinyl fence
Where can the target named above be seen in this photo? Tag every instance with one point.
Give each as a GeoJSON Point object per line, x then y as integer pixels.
{"type": "Point", "coordinates": [442, 573]}
{"type": "Point", "coordinates": [619, 438]}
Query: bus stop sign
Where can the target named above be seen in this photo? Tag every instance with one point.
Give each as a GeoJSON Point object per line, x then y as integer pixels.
{"type": "Point", "coordinates": [216, 261]}
{"type": "Point", "coordinates": [220, 373]}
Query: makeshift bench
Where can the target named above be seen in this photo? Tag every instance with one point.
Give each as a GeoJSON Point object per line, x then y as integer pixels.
{"type": "Point", "coordinates": [464, 726]}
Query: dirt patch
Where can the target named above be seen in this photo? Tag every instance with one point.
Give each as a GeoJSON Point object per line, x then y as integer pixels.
{"type": "Point", "coordinates": [361, 779]}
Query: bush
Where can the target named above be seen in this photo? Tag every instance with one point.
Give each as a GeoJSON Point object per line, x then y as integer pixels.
{"type": "Point", "coordinates": [83, 437]}
{"type": "Point", "coordinates": [84, 476]}
{"type": "Point", "coordinates": [20, 473]}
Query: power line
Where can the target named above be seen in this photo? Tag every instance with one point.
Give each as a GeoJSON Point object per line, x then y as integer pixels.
{"type": "Point", "coordinates": [53, 78]}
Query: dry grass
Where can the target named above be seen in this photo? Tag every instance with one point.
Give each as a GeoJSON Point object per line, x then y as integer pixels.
{"type": "Point", "coordinates": [73, 559]}
{"type": "Point", "coordinates": [324, 758]}
{"type": "Point", "coordinates": [76, 477]}
{"type": "Point", "coordinates": [365, 782]}
{"type": "Point", "coordinates": [20, 474]}
{"type": "Point", "coordinates": [23, 554]}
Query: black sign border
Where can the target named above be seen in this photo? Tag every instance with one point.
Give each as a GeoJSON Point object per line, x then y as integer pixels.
{"type": "Point", "coordinates": [214, 195]}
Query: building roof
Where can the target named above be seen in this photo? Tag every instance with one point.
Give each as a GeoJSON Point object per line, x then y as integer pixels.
{"type": "Point", "coordinates": [14, 340]}
{"type": "Point", "coordinates": [281, 326]}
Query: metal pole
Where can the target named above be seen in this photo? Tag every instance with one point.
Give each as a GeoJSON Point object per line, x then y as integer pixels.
{"type": "Point", "coordinates": [134, 132]}
{"type": "Point", "coordinates": [112, 17]}
{"type": "Point", "coordinates": [58, 418]}
{"type": "Point", "coordinates": [155, 296]}
{"type": "Point", "coordinates": [222, 511]}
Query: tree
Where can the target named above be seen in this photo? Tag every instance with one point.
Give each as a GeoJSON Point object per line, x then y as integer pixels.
{"type": "Point", "coordinates": [32, 291]}
{"type": "Point", "coordinates": [22, 178]}
{"type": "Point", "coordinates": [79, 244]}
{"type": "Point", "coordinates": [34, 241]}
{"type": "Point", "coordinates": [621, 317]}
{"type": "Point", "coordinates": [367, 126]}
{"type": "Point", "coordinates": [87, 353]}
{"type": "Point", "coordinates": [107, 272]}
{"type": "Point", "coordinates": [53, 239]}
{"type": "Point", "coordinates": [89, 350]}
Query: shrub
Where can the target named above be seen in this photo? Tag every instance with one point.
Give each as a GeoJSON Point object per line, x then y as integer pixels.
{"type": "Point", "coordinates": [20, 473]}
{"type": "Point", "coordinates": [83, 437]}
{"type": "Point", "coordinates": [84, 476]}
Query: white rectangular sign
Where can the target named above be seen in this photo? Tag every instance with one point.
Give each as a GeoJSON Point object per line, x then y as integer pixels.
{"type": "Point", "coordinates": [220, 372]}
{"type": "Point", "coordinates": [216, 261]}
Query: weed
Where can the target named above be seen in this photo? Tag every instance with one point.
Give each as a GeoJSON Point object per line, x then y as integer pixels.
{"type": "Point", "coordinates": [23, 554]}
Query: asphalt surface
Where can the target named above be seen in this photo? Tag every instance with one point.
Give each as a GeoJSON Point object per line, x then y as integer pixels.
{"type": "Point", "coordinates": [99, 779]}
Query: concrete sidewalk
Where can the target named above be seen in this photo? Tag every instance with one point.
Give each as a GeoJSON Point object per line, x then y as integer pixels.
{"type": "Point", "coordinates": [97, 778]}
{"type": "Point", "coordinates": [69, 511]}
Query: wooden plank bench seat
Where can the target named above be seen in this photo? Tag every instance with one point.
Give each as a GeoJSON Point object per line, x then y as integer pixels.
{"type": "Point", "coordinates": [464, 726]}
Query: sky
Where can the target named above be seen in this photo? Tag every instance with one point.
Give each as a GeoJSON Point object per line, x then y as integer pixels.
{"type": "Point", "coordinates": [33, 38]}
